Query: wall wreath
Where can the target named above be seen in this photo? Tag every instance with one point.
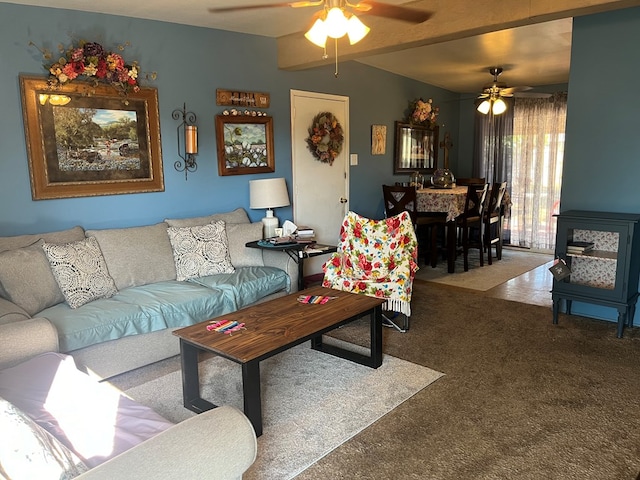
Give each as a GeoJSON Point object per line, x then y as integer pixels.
{"type": "Point", "coordinates": [325, 137]}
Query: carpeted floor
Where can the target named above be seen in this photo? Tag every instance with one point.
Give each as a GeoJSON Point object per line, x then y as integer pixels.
{"type": "Point", "coordinates": [521, 398]}
{"type": "Point", "coordinates": [303, 392]}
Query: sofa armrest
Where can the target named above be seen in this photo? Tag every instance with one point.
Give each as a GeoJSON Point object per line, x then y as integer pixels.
{"type": "Point", "coordinates": [24, 339]}
{"type": "Point", "coordinates": [283, 261]}
{"type": "Point", "coordinates": [217, 444]}
{"type": "Point", "coordinates": [10, 312]}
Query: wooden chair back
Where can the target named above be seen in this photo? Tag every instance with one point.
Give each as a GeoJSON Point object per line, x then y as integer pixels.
{"type": "Point", "coordinates": [470, 181]}
{"type": "Point", "coordinates": [398, 199]}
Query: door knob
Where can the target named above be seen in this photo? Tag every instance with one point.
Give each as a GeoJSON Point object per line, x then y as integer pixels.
{"type": "Point", "coordinates": [343, 200]}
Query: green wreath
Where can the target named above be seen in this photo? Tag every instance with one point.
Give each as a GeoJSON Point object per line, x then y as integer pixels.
{"type": "Point", "coordinates": [325, 137]}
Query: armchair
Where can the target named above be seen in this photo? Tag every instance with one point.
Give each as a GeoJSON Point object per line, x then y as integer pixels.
{"type": "Point", "coordinates": [377, 258]}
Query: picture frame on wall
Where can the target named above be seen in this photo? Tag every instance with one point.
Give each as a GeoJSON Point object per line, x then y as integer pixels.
{"type": "Point", "coordinates": [416, 148]}
{"type": "Point", "coordinates": [88, 140]}
{"type": "Point", "coordinates": [378, 139]}
{"type": "Point", "coordinates": [245, 144]}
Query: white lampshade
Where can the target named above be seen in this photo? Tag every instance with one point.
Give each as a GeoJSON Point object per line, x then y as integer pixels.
{"type": "Point", "coordinates": [317, 34]}
{"type": "Point", "coordinates": [356, 30]}
{"type": "Point", "coordinates": [499, 107]}
{"type": "Point", "coordinates": [336, 23]}
{"type": "Point", "coordinates": [268, 193]}
{"type": "Point", "coordinates": [484, 107]}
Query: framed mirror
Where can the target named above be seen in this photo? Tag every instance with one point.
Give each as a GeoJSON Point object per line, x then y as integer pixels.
{"type": "Point", "coordinates": [416, 148]}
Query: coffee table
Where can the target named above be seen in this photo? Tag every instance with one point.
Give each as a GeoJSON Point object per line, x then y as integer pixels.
{"type": "Point", "coordinates": [273, 327]}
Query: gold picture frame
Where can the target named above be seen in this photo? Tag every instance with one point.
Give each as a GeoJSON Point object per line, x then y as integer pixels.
{"type": "Point", "coordinates": [245, 144]}
{"type": "Point", "coordinates": [88, 140]}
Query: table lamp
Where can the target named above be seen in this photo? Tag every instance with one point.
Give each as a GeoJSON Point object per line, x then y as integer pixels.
{"type": "Point", "coordinates": [268, 193]}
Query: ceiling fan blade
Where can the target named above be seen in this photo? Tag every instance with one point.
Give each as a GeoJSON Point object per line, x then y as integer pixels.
{"type": "Point", "coordinates": [397, 12]}
{"type": "Point", "coordinates": [531, 95]}
{"type": "Point", "coordinates": [511, 90]}
{"type": "Point", "coordinates": [484, 95]}
{"type": "Point", "coordinates": [268, 5]}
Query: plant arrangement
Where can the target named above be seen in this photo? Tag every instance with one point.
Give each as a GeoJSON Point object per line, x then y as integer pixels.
{"type": "Point", "coordinates": [325, 137]}
{"type": "Point", "coordinates": [423, 113]}
{"type": "Point", "coordinates": [90, 61]}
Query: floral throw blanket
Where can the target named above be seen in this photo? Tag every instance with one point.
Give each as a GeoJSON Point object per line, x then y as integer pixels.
{"type": "Point", "coordinates": [375, 258]}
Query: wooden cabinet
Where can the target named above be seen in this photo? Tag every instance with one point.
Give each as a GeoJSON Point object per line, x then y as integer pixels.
{"type": "Point", "coordinates": [602, 251]}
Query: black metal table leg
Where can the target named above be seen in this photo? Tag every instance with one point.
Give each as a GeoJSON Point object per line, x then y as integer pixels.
{"type": "Point", "coordinates": [191, 379]}
{"type": "Point", "coordinates": [251, 393]}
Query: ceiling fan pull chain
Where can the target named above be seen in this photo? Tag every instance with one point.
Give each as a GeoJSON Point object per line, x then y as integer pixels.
{"type": "Point", "coordinates": [336, 72]}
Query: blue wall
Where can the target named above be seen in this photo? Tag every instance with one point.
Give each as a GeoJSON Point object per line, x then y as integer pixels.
{"type": "Point", "coordinates": [191, 63]}
{"type": "Point", "coordinates": [602, 149]}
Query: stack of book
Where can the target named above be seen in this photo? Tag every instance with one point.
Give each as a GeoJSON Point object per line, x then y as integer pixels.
{"type": "Point", "coordinates": [305, 235]}
{"type": "Point", "coordinates": [578, 248]}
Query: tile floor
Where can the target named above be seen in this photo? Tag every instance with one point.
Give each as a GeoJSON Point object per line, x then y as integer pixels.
{"type": "Point", "coordinates": [532, 287]}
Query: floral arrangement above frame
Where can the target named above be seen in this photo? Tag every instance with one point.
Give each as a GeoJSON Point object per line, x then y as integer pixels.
{"type": "Point", "coordinates": [423, 113]}
{"type": "Point", "coordinates": [74, 148]}
{"type": "Point", "coordinates": [326, 137]}
{"type": "Point", "coordinates": [245, 144]}
{"type": "Point", "coordinates": [90, 61]}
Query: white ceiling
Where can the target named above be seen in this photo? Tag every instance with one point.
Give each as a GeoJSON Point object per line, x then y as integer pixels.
{"type": "Point", "coordinates": [534, 55]}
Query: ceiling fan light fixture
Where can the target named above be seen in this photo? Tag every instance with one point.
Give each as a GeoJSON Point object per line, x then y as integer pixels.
{"type": "Point", "coordinates": [484, 107]}
{"type": "Point", "coordinates": [498, 106]}
{"type": "Point", "coordinates": [336, 23]}
{"type": "Point", "coordinates": [356, 30]}
{"type": "Point", "coordinates": [317, 34]}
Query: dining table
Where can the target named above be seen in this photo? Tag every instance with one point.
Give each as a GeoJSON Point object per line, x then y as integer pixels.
{"type": "Point", "coordinates": [448, 203]}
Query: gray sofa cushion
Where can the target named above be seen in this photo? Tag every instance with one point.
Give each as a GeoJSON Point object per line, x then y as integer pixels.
{"type": "Point", "coordinates": [137, 255]}
{"type": "Point", "coordinates": [238, 235]}
{"type": "Point", "coordinates": [64, 236]}
{"type": "Point", "coordinates": [27, 279]}
{"type": "Point", "coordinates": [239, 215]}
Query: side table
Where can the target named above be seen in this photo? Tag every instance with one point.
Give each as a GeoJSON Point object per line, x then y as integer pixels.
{"type": "Point", "coordinates": [298, 252]}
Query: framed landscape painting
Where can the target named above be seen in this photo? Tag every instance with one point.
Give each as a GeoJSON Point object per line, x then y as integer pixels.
{"type": "Point", "coordinates": [245, 144]}
{"type": "Point", "coordinates": [87, 140]}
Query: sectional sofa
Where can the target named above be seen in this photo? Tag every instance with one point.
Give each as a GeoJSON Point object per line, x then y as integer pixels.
{"type": "Point", "coordinates": [112, 297]}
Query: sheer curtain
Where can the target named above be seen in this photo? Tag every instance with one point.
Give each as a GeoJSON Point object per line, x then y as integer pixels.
{"type": "Point", "coordinates": [524, 147]}
{"type": "Point", "coordinates": [536, 177]}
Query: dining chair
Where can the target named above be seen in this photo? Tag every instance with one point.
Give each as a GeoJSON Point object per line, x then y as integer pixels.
{"type": "Point", "coordinates": [398, 199]}
{"type": "Point", "coordinates": [463, 182]}
{"type": "Point", "coordinates": [471, 220]}
{"type": "Point", "coordinates": [493, 220]}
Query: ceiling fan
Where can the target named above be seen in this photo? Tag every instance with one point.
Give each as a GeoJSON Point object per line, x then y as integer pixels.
{"type": "Point", "coordinates": [369, 7]}
{"type": "Point", "coordinates": [493, 93]}
{"type": "Point", "coordinates": [499, 89]}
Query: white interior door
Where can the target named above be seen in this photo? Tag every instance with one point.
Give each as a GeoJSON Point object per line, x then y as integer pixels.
{"type": "Point", "coordinates": [320, 190]}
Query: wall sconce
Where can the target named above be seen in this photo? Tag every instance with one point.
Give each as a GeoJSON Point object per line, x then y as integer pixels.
{"type": "Point", "coordinates": [188, 148]}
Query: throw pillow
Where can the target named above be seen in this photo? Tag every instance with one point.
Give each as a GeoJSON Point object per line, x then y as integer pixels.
{"type": "Point", "coordinates": [200, 251]}
{"type": "Point", "coordinates": [80, 270]}
{"type": "Point", "coordinates": [27, 451]}
{"type": "Point", "coordinates": [136, 255]}
{"type": "Point", "coordinates": [238, 235]}
{"type": "Point", "coordinates": [27, 279]}
{"type": "Point", "coordinates": [239, 215]}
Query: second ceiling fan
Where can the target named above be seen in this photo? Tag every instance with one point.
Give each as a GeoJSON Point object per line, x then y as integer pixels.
{"type": "Point", "coordinates": [492, 94]}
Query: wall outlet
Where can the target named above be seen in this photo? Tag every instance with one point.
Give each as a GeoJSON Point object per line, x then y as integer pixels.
{"type": "Point", "coordinates": [353, 159]}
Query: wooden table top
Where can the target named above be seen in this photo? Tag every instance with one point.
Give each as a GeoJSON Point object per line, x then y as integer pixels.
{"type": "Point", "coordinates": [278, 324]}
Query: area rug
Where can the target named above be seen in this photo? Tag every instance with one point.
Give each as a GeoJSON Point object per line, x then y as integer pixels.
{"type": "Point", "coordinates": [311, 401]}
{"type": "Point", "coordinates": [513, 263]}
